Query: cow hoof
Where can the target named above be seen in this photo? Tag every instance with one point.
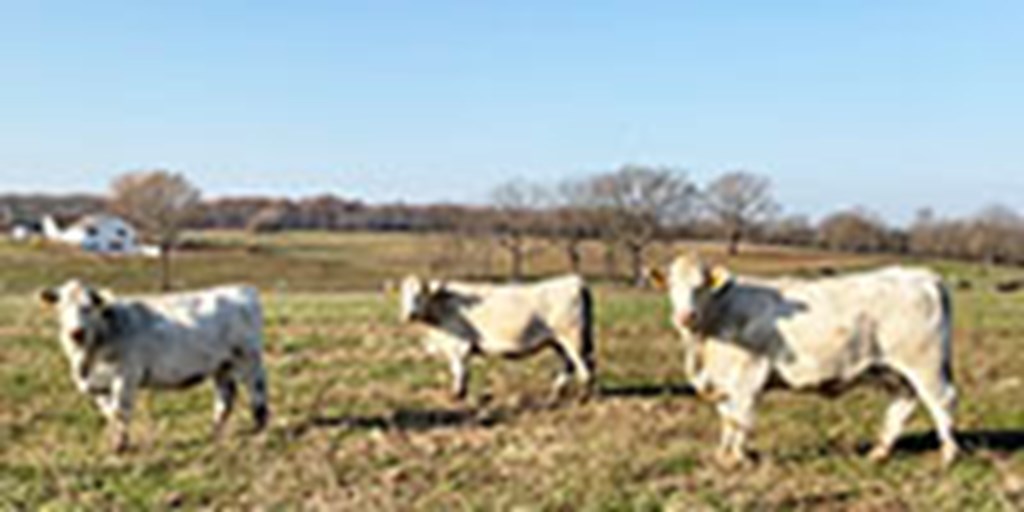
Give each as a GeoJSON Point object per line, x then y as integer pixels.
{"type": "Point", "coordinates": [733, 460]}
{"type": "Point", "coordinates": [261, 416]}
{"type": "Point", "coordinates": [949, 456]}
{"type": "Point", "coordinates": [120, 447]}
{"type": "Point", "coordinates": [585, 397]}
{"type": "Point", "coordinates": [559, 393]}
{"type": "Point", "coordinates": [879, 454]}
{"type": "Point", "coordinates": [556, 399]}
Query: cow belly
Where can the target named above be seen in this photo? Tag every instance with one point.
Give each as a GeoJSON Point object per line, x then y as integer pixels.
{"type": "Point", "coordinates": [186, 363]}
{"type": "Point", "coordinates": [510, 348]}
{"type": "Point", "coordinates": [821, 375]}
{"type": "Point", "coordinates": [188, 373]}
{"type": "Point", "coordinates": [511, 342]}
{"type": "Point", "coordinates": [817, 351]}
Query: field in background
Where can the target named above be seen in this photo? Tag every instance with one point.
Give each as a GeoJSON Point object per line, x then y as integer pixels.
{"type": "Point", "coordinates": [362, 420]}
{"type": "Point", "coordinates": [319, 262]}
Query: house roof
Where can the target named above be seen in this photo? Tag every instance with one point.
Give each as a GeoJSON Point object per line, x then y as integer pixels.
{"type": "Point", "coordinates": [97, 218]}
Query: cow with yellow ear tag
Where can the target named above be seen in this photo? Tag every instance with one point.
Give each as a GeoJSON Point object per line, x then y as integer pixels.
{"type": "Point", "coordinates": [820, 335]}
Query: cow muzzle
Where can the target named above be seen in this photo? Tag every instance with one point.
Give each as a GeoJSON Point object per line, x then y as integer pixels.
{"type": "Point", "coordinates": [687, 319]}
{"type": "Point", "coordinates": [78, 335]}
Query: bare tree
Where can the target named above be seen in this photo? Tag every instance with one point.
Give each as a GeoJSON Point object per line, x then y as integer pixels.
{"type": "Point", "coordinates": [739, 200]}
{"type": "Point", "coordinates": [795, 230]}
{"type": "Point", "coordinates": [638, 204]}
{"type": "Point", "coordinates": [273, 217]}
{"type": "Point", "coordinates": [996, 235]}
{"type": "Point", "coordinates": [517, 203]}
{"type": "Point", "coordinates": [159, 203]}
{"type": "Point", "coordinates": [461, 254]}
{"type": "Point", "coordinates": [856, 230]}
{"type": "Point", "coordinates": [571, 220]}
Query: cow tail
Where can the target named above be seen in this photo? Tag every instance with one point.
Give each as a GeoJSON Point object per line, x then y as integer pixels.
{"type": "Point", "coordinates": [587, 342]}
{"type": "Point", "coordinates": [946, 304]}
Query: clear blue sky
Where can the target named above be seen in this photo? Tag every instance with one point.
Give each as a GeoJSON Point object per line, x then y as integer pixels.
{"type": "Point", "coordinates": [889, 104]}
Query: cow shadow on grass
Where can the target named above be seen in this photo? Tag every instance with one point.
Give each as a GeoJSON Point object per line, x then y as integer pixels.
{"type": "Point", "coordinates": [1002, 442]}
{"type": "Point", "coordinates": [646, 390]}
{"type": "Point", "coordinates": [999, 441]}
{"type": "Point", "coordinates": [416, 420]}
{"type": "Point", "coordinates": [428, 419]}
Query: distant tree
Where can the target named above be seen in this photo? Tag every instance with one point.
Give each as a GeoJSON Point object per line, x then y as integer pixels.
{"type": "Point", "coordinates": [461, 254]}
{"type": "Point", "coordinates": [794, 230]}
{"type": "Point", "coordinates": [159, 203]}
{"type": "Point", "coordinates": [637, 204]}
{"type": "Point", "coordinates": [856, 230]}
{"type": "Point", "coordinates": [517, 203]}
{"type": "Point", "coordinates": [739, 200]}
{"type": "Point", "coordinates": [996, 235]}
{"type": "Point", "coordinates": [272, 217]}
{"type": "Point", "coordinates": [923, 236]}
{"type": "Point", "coordinates": [572, 220]}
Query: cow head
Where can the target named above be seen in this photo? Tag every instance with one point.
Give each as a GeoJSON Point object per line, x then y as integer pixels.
{"type": "Point", "coordinates": [692, 285]}
{"type": "Point", "coordinates": [82, 313]}
{"type": "Point", "coordinates": [417, 296]}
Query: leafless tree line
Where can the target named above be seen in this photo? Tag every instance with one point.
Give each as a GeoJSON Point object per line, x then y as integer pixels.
{"type": "Point", "coordinates": [625, 211]}
{"type": "Point", "coordinates": [633, 207]}
{"type": "Point", "coordinates": [994, 235]}
{"type": "Point", "coordinates": [628, 210]}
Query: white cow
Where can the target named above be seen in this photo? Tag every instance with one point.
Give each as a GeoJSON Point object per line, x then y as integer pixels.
{"type": "Point", "coordinates": [743, 334]}
{"type": "Point", "coordinates": [116, 346]}
{"type": "Point", "coordinates": [463, 319]}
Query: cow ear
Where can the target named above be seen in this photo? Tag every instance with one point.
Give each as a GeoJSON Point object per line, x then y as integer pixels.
{"type": "Point", "coordinates": [657, 278]}
{"type": "Point", "coordinates": [100, 298]}
{"type": "Point", "coordinates": [48, 297]}
{"type": "Point", "coordinates": [718, 277]}
{"type": "Point", "coordinates": [412, 284]}
{"type": "Point", "coordinates": [437, 287]}
{"type": "Point", "coordinates": [109, 313]}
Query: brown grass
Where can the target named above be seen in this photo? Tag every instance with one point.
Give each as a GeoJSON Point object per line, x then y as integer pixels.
{"type": "Point", "coordinates": [362, 420]}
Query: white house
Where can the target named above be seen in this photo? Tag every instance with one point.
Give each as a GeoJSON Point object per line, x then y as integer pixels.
{"type": "Point", "coordinates": [100, 233]}
{"type": "Point", "coordinates": [24, 232]}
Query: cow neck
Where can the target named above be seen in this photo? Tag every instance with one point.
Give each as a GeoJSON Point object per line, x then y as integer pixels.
{"type": "Point", "coordinates": [118, 319]}
{"type": "Point", "coordinates": [442, 305]}
{"type": "Point", "coordinates": [448, 313]}
{"type": "Point", "coordinates": [715, 307]}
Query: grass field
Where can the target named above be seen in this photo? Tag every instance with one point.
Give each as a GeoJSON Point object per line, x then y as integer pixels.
{"type": "Point", "coordinates": [362, 420]}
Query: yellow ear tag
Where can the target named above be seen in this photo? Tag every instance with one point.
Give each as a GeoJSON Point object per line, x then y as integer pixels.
{"type": "Point", "coordinates": [657, 279]}
{"type": "Point", "coordinates": [719, 278]}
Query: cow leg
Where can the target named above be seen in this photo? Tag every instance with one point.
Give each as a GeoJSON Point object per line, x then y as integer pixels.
{"type": "Point", "coordinates": [736, 384]}
{"type": "Point", "coordinates": [256, 389]}
{"type": "Point", "coordinates": [565, 375]}
{"type": "Point", "coordinates": [725, 440]}
{"type": "Point", "coordinates": [896, 416]}
{"type": "Point", "coordinates": [105, 403]}
{"type": "Point", "coordinates": [226, 389]}
{"type": "Point", "coordinates": [458, 364]}
{"type": "Point", "coordinates": [939, 397]}
{"type": "Point", "coordinates": [118, 410]}
{"type": "Point", "coordinates": [737, 418]}
{"type": "Point", "coordinates": [584, 363]}
{"type": "Point", "coordinates": [579, 362]}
